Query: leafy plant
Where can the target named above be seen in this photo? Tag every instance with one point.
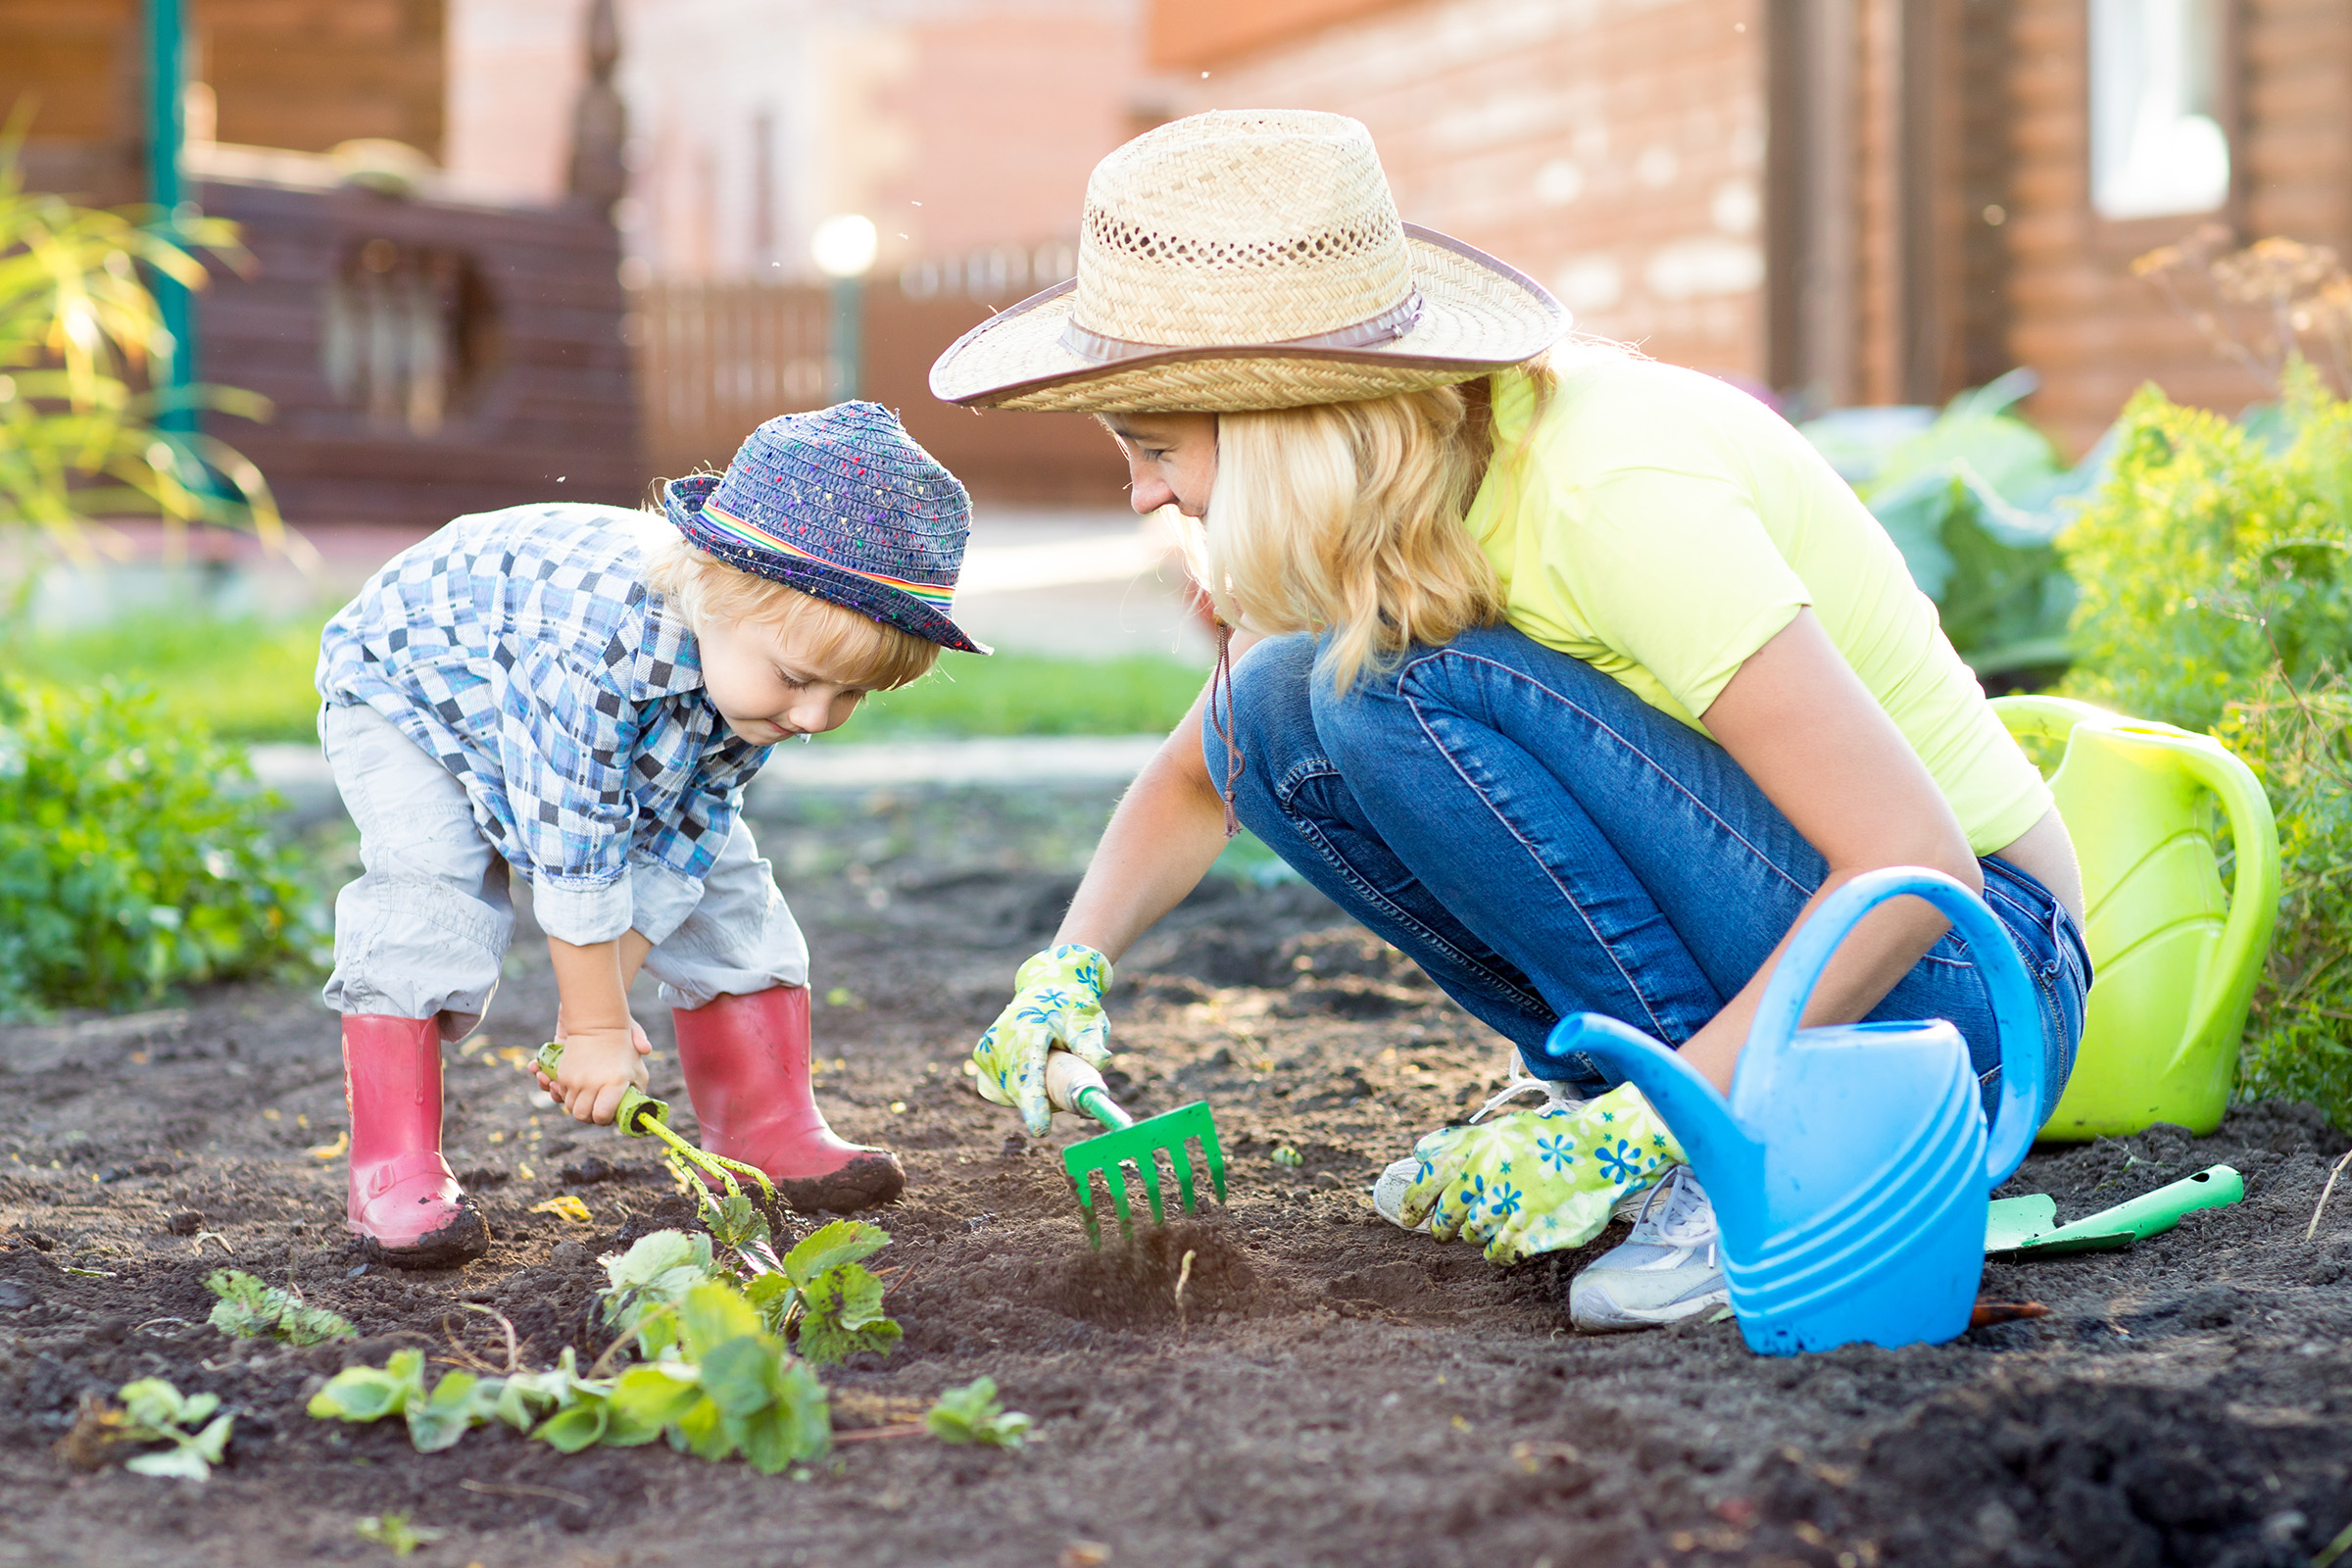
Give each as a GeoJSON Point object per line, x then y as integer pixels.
{"type": "Point", "coordinates": [249, 1309]}
{"type": "Point", "coordinates": [133, 856]}
{"type": "Point", "coordinates": [735, 1388]}
{"type": "Point", "coordinates": [437, 1417]}
{"type": "Point", "coordinates": [394, 1531]}
{"type": "Point", "coordinates": [154, 1412]}
{"type": "Point", "coordinates": [830, 1302]}
{"type": "Point", "coordinates": [79, 331]}
{"type": "Point", "coordinates": [1975, 499]}
{"type": "Point", "coordinates": [2216, 567]}
{"type": "Point", "coordinates": [974, 1415]}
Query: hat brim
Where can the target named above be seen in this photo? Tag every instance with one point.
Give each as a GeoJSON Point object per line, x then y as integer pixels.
{"type": "Point", "coordinates": [1478, 314]}
{"type": "Point", "coordinates": [684, 500]}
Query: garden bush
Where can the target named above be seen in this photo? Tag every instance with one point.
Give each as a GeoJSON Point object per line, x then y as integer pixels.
{"type": "Point", "coordinates": [134, 856]}
{"type": "Point", "coordinates": [2216, 575]}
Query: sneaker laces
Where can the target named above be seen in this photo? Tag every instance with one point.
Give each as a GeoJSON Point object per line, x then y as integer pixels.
{"type": "Point", "coordinates": [1560, 1096]}
{"type": "Point", "coordinates": [1676, 1213]}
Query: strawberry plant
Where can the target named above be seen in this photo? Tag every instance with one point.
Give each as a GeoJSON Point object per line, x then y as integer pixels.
{"type": "Point", "coordinates": [718, 1376]}
{"type": "Point", "coordinates": [154, 1412]}
{"type": "Point", "coordinates": [974, 1415]}
{"type": "Point", "coordinates": [249, 1309]}
{"type": "Point", "coordinates": [394, 1532]}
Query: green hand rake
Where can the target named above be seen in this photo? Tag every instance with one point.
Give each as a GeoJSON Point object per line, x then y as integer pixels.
{"type": "Point", "coordinates": [1131, 1148]}
{"type": "Point", "coordinates": [641, 1115]}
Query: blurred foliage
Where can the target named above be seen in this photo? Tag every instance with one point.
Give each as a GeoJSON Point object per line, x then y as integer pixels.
{"type": "Point", "coordinates": [2274, 305]}
{"type": "Point", "coordinates": [2216, 564]}
{"type": "Point", "coordinates": [1975, 498]}
{"type": "Point", "coordinates": [83, 347]}
{"type": "Point", "coordinates": [1033, 694]}
{"type": "Point", "coordinates": [134, 856]}
{"type": "Point", "coordinates": [244, 679]}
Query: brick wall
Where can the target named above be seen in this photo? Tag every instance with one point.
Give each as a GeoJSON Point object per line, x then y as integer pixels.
{"type": "Point", "coordinates": [1613, 149]}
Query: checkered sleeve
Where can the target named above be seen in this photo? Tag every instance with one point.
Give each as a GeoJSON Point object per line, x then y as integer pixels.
{"type": "Point", "coordinates": [564, 738]}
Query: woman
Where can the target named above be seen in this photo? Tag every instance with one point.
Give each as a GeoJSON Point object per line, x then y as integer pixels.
{"type": "Point", "coordinates": [1579, 678]}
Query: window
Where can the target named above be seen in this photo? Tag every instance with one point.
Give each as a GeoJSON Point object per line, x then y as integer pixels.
{"type": "Point", "coordinates": [2157, 146]}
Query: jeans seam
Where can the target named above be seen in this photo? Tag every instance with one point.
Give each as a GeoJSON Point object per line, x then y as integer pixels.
{"type": "Point", "coordinates": [1304, 826]}
{"type": "Point", "coordinates": [1657, 1025]}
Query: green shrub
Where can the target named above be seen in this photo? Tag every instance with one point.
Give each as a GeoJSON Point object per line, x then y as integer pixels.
{"type": "Point", "coordinates": [2216, 573]}
{"type": "Point", "coordinates": [134, 856]}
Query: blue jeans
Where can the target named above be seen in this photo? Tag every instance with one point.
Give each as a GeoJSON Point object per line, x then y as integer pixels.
{"type": "Point", "coordinates": [1541, 841]}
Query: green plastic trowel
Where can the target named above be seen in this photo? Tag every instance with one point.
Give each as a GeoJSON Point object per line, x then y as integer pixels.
{"type": "Point", "coordinates": [1130, 1147]}
{"type": "Point", "coordinates": [2027, 1226]}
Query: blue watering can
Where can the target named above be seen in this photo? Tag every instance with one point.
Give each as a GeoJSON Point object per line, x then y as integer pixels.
{"type": "Point", "coordinates": [1851, 1170]}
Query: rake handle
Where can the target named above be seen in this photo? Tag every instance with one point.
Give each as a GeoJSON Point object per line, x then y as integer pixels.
{"type": "Point", "coordinates": [635, 1103]}
{"type": "Point", "coordinates": [1072, 1085]}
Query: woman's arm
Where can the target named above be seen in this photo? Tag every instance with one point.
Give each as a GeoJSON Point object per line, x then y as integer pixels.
{"type": "Point", "coordinates": [1819, 746]}
{"type": "Point", "coordinates": [1167, 831]}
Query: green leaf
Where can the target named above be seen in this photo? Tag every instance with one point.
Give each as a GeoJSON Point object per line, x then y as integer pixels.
{"type": "Point", "coordinates": [973, 1415]}
{"type": "Point", "coordinates": [151, 1403]}
{"type": "Point", "coordinates": [371, 1393]}
{"type": "Point", "coordinates": [842, 1316]}
{"type": "Point", "coordinates": [181, 1463]}
{"type": "Point", "coordinates": [712, 1314]}
{"type": "Point", "coordinates": [249, 1309]}
{"type": "Point", "coordinates": [654, 1396]}
{"type": "Point", "coordinates": [212, 1441]}
{"type": "Point", "coordinates": [735, 1374]}
{"type": "Point", "coordinates": [575, 1427]}
{"type": "Point", "coordinates": [844, 1240]}
{"type": "Point", "coordinates": [793, 1426]}
{"type": "Point", "coordinates": [450, 1411]}
{"type": "Point", "coordinates": [703, 1432]}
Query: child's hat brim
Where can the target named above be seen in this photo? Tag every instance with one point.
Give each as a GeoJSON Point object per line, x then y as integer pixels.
{"type": "Point", "coordinates": [682, 500]}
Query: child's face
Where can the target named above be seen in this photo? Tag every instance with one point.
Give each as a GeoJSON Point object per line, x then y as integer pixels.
{"type": "Point", "coordinates": [766, 682]}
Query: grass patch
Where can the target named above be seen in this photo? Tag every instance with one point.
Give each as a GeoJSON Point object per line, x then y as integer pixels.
{"type": "Point", "coordinates": [250, 681]}
{"type": "Point", "coordinates": [1032, 694]}
{"type": "Point", "coordinates": [245, 680]}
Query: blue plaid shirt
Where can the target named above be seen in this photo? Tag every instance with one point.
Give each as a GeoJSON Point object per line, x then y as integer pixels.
{"type": "Point", "coordinates": [521, 650]}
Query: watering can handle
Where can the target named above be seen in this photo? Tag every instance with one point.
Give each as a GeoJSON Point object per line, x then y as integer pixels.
{"type": "Point", "coordinates": [2016, 1012]}
{"type": "Point", "coordinates": [2051, 718]}
{"type": "Point", "coordinates": [2254, 893]}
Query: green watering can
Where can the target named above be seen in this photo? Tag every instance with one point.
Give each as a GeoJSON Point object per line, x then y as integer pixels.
{"type": "Point", "coordinates": [2173, 960]}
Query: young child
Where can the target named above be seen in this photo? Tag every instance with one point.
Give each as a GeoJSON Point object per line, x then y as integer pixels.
{"type": "Point", "coordinates": [581, 693]}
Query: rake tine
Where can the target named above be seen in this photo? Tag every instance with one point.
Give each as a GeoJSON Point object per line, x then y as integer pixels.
{"type": "Point", "coordinates": [1216, 1163]}
{"type": "Point", "coordinates": [1183, 1162]}
{"type": "Point", "coordinates": [1118, 1200]}
{"type": "Point", "coordinates": [1147, 1171]}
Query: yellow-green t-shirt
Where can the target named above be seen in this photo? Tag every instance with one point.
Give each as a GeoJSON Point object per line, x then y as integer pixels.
{"type": "Point", "coordinates": [1663, 526]}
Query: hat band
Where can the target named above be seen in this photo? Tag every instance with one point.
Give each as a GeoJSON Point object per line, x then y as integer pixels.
{"type": "Point", "coordinates": [1389, 326]}
{"type": "Point", "coordinates": [726, 523]}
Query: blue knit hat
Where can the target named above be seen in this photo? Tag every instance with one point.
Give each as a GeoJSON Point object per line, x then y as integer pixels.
{"type": "Point", "coordinates": [839, 503]}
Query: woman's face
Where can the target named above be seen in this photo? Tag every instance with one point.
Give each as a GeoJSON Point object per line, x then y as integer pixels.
{"type": "Point", "coordinates": [1171, 460]}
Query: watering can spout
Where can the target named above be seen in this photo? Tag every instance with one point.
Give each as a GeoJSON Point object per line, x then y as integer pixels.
{"type": "Point", "coordinates": [1726, 1158]}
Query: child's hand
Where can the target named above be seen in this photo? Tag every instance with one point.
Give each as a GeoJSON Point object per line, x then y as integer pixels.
{"type": "Point", "coordinates": [596, 1065]}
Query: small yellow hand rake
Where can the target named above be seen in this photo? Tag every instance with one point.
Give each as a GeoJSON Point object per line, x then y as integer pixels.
{"type": "Point", "coordinates": [641, 1115]}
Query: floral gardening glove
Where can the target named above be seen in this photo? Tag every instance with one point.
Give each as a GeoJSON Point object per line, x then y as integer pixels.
{"type": "Point", "coordinates": [1057, 1000]}
{"type": "Point", "coordinates": [1538, 1181]}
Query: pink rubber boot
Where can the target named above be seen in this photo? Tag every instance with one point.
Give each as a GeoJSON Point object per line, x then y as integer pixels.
{"type": "Point", "coordinates": [405, 1201]}
{"type": "Point", "coordinates": [746, 1060]}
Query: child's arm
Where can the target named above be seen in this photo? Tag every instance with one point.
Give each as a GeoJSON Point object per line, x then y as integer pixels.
{"type": "Point", "coordinates": [604, 1050]}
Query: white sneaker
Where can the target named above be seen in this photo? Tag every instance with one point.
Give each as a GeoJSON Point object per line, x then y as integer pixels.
{"type": "Point", "coordinates": [1669, 1269]}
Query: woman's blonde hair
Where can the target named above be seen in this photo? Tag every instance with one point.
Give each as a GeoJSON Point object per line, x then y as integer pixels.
{"type": "Point", "coordinates": [852, 648]}
{"type": "Point", "coordinates": [1345, 519]}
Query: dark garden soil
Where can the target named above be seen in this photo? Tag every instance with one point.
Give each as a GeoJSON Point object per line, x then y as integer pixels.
{"type": "Point", "coordinates": [1328, 1388]}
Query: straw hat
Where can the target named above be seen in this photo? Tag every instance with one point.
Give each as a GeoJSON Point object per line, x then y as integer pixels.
{"type": "Point", "coordinates": [1249, 259]}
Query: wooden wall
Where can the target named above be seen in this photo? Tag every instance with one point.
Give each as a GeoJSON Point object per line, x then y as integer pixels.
{"type": "Point", "coordinates": [2078, 315]}
{"type": "Point", "coordinates": [549, 414]}
{"type": "Point", "coordinates": [717, 359]}
{"type": "Point", "coordinates": [297, 73]}
{"type": "Point", "coordinates": [309, 73]}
